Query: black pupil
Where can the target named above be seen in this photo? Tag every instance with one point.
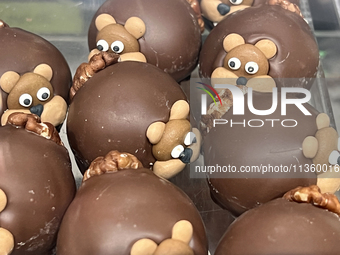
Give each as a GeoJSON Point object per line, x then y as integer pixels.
{"type": "Point", "coordinates": [251, 69]}
{"type": "Point", "coordinates": [27, 102]}
{"type": "Point", "coordinates": [115, 48]}
{"type": "Point", "coordinates": [232, 64]}
{"type": "Point", "coordinates": [99, 47]}
{"type": "Point", "coordinates": [233, 1]}
{"type": "Point", "coordinates": [44, 96]}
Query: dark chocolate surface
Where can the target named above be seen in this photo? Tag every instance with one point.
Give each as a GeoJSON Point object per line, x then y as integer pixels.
{"type": "Point", "coordinates": [297, 56]}
{"type": "Point", "coordinates": [21, 51]}
{"type": "Point", "coordinates": [113, 110]}
{"type": "Point", "coordinates": [258, 146]}
{"type": "Point", "coordinates": [35, 174]}
{"type": "Point", "coordinates": [112, 211]}
{"type": "Point", "coordinates": [283, 227]}
{"type": "Point", "coordinates": [172, 40]}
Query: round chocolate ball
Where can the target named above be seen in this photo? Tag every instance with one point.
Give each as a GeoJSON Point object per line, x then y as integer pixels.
{"type": "Point", "coordinates": [113, 110]}
{"type": "Point", "coordinates": [21, 51]}
{"type": "Point", "coordinates": [112, 211]}
{"type": "Point", "coordinates": [250, 144]}
{"type": "Point", "coordinates": [297, 54]}
{"type": "Point", "coordinates": [283, 227]}
{"type": "Point", "coordinates": [37, 179]}
{"type": "Point", "coordinates": [172, 39]}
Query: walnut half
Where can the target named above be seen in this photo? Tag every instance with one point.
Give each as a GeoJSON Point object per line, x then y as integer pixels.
{"type": "Point", "coordinates": [112, 162]}
{"type": "Point", "coordinates": [313, 195]}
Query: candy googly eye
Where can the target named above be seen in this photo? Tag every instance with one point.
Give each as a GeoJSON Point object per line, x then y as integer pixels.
{"type": "Point", "coordinates": [334, 157]}
{"type": "Point", "coordinates": [236, 2]}
{"type": "Point", "coordinates": [234, 63]}
{"type": "Point", "coordinates": [177, 151]}
{"type": "Point", "coordinates": [189, 139]}
{"type": "Point", "coordinates": [43, 94]}
{"type": "Point", "coordinates": [25, 100]}
{"type": "Point", "coordinates": [251, 68]}
{"type": "Point", "coordinates": [117, 46]}
{"type": "Point", "coordinates": [102, 45]}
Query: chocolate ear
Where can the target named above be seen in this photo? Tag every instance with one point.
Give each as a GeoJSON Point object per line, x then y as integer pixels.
{"type": "Point", "coordinates": [135, 26]}
{"type": "Point", "coordinates": [8, 81]}
{"type": "Point", "coordinates": [267, 47]}
{"type": "Point", "coordinates": [180, 110]}
{"type": "Point", "coordinates": [231, 41]}
{"type": "Point", "coordinates": [182, 231]}
{"type": "Point", "coordinates": [103, 20]}
{"type": "Point", "coordinates": [143, 247]}
{"type": "Point", "coordinates": [155, 132]}
{"type": "Point", "coordinates": [44, 70]}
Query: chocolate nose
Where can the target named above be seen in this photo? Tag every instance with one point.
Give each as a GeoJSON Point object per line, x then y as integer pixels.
{"type": "Point", "coordinates": [37, 109]}
{"type": "Point", "coordinates": [241, 81]}
{"type": "Point", "coordinates": [223, 9]}
{"type": "Point", "coordinates": [185, 156]}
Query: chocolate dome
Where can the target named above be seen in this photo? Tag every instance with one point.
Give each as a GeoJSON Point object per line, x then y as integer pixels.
{"type": "Point", "coordinates": [172, 40]}
{"type": "Point", "coordinates": [297, 51]}
{"type": "Point", "coordinates": [283, 227]}
{"type": "Point", "coordinates": [112, 211]}
{"type": "Point", "coordinates": [272, 144]}
{"type": "Point", "coordinates": [37, 179]}
{"type": "Point", "coordinates": [113, 110]}
{"type": "Point", "coordinates": [21, 51]}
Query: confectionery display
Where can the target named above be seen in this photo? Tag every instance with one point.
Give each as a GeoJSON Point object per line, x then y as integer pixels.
{"type": "Point", "coordinates": [305, 221]}
{"type": "Point", "coordinates": [126, 207]}
{"type": "Point", "coordinates": [172, 36]}
{"type": "Point", "coordinates": [284, 143]}
{"type": "Point", "coordinates": [296, 61]}
{"type": "Point", "coordinates": [36, 185]}
{"type": "Point", "coordinates": [35, 76]}
{"type": "Point", "coordinates": [126, 156]}
{"type": "Point", "coordinates": [118, 115]}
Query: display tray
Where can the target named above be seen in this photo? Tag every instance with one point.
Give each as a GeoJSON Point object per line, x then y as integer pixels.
{"type": "Point", "coordinates": [71, 39]}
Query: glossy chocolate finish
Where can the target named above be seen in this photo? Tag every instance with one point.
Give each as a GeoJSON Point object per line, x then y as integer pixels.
{"type": "Point", "coordinates": [282, 227]}
{"type": "Point", "coordinates": [36, 175]}
{"type": "Point", "coordinates": [172, 40]}
{"type": "Point", "coordinates": [112, 211]}
{"type": "Point", "coordinates": [21, 51]}
{"type": "Point", "coordinates": [113, 110]}
{"type": "Point", "coordinates": [255, 146]}
{"type": "Point", "coordinates": [297, 56]}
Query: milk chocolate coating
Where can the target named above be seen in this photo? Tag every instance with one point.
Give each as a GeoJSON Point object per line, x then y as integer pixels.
{"type": "Point", "coordinates": [297, 51]}
{"type": "Point", "coordinates": [256, 146]}
{"type": "Point", "coordinates": [21, 51]}
{"type": "Point", "coordinates": [283, 227]}
{"type": "Point", "coordinates": [172, 40]}
{"type": "Point", "coordinates": [112, 211]}
{"type": "Point", "coordinates": [37, 179]}
{"type": "Point", "coordinates": [113, 110]}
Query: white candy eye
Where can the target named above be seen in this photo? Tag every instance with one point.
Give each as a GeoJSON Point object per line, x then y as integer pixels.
{"type": "Point", "coordinates": [176, 152]}
{"type": "Point", "coordinates": [333, 157]}
{"type": "Point", "coordinates": [234, 63]}
{"type": "Point", "coordinates": [43, 94]}
{"type": "Point", "coordinates": [251, 67]}
{"type": "Point", "coordinates": [102, 45]}
{"type": "Point", "coordinates": [189, 139]}
{"type": "Point", "coordinates": [25, 100]}
{"type": "Point", "coordinates": [236, 2]}
{"type": "Point", "coordinates": [117, 46]}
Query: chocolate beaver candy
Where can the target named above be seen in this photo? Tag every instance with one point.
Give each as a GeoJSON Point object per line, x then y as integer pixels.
{"type": "Point", "coordinates": [114, 109]}
{"type": "Point", "coordinates": [36, 178]}
{"type": "Point", "coordinates": [121, 205]}
{"type": "Point", "coordinates": [283, 227]}
{"type": "Point", "coordinates": [273, 144]}
{"type": "Point", "coordinates": [21, 51]}
{"type": "Point", "coordinates": [297, 51]}
{"type": "Point", "coordinates": [172, 38]}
